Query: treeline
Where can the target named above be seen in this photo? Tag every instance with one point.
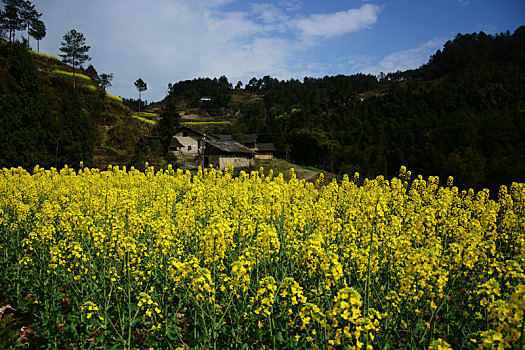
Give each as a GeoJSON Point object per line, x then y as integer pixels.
{"type": "Point", "coordinates": [46, 127]}
{"type": "Point", "coordinates": [461, 114]}
{"type": "Point", "coordinates": [213, 95]}
{"type": "Point", "coordinates": [21, 15]}
{"type": "Point", "coordinates": [133, 104]}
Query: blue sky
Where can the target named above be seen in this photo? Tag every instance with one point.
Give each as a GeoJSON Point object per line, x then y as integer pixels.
{"type": "Point", "coordinates": [165, 41]}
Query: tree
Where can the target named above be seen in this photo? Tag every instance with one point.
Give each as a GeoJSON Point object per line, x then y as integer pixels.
{"type": "Point", "coordinates": [37, 31]}
{"type": "Point", "coordinates": [91, 72]}
{"type": "Point", "coordinates": [168, 124]}
{"type": "Point", "coordinates": [74, 50]}
{"type": "Point", "coordinates": [141, 86]}
{"type": "Point", "coordinates": [28, 14]}
{"type": "Point", "coordinates": [75, 143]}
{"type": "Point", "coordinates": [10, 17]}
{"type": "Point", "coordinates": [24, 115]}
{"type": "Point", "coordinates": [105, 80]}
{"type": "Point", "coordinates": [18, 15]}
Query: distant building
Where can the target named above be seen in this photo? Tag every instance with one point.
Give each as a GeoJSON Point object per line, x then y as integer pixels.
{"type": "Point", "coordinates": [221, 153]}
{"type": "Point", "coordinates": [190, 140]}
{"type": "Point", "coordinates": [250, 140]}
{"type": "Point", "coordinates": [264, 150]}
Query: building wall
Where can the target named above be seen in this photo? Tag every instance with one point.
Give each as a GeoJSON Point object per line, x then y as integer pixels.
{"type": "Point", "coordinates": [264, 156]}
{"type": "Point", "coordinates": [222, 161]}
{"type": "Point", "coordinates": [191, 141]}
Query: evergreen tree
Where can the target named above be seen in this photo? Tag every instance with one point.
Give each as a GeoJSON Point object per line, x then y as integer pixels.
{"type": "Point", "coordinates": [168, 123]}
{"type": "Point", "coordinates": [75, 140]}
{"type": "Point", "coordinates": [105, 80]}
{"type": "Point", "coordinates": [28, 15]}
{"type": "Point", "coordinates": [141, 86]}
{"type": "Point", "coordinates": [37, 31]}
{"type": "Point", "coordinates": [11, 20]}
{"type": "Point", "coordinates": [92, 73]}
{"type": "Point", "coordinates": [74, 50]}
{"type": "Point", "coordinates": [24, 115]}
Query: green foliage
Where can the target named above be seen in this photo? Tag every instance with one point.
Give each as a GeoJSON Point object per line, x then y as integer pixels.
{"type": "Point", "coordinates": [168, 123]}
{"type": "Point", "coordinates": [141, 85]}
{"type": "Point", "coordinates": [37, 30]}
{"type": "Point", "coordinates": [147, 149]}
{"type": "Point", "coordinates": [460, 114]}
{"type": "Point", "coordinates": [213, 95]}
{"type": "Point", "coordinates": [11, 19]}
{"type": "Point", "coordinates": [74, 48]}
{"type": "Point", "coordinates": [91, 72]}
{"type": "Point", "coordinates": [133, 104]}
{"type": "Point", "coordinates": [24, 116]}
{"type": "Point", "coordinates": [75, 141]}
{"type": "Point", "coordinates": [105, 80]}
{"type": "Point", "coordinates": [38, 129]}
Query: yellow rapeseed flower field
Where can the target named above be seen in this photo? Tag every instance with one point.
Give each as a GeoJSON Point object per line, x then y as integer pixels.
{"type": "Point", "coordinates": [129, 259]}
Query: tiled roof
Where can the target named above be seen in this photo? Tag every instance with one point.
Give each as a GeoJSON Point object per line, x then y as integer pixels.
{"type": "Point", "coordinates": [190, 129]}
{"type": "Point", "coordinates": [264, 147]}
{"type": "Point", "coordinates": [229, 146]}
{"type": "Point", "coordinates": [176, 143]}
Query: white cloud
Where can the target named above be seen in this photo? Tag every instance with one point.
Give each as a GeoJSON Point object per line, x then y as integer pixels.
{"type": "Point", "coordinates": [334, 24]}
{"type": "Point", "coordinates": [269, 13]}
{"type": "Point", "coordinates": [406, 59]}
{"type": "Point", "coordinates": [184, 39]}
{"type": "Point", "coordinates": [356, 62]}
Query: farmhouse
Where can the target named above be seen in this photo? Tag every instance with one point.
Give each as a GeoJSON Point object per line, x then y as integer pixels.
{"type": "Point", "coordinates": [191, 141]}
{"type": "Point", "coordinates": [263, 150]}
{"type": "Point", "coordinates": [176, 147]}
{"type": "Point", "coordinates": [221, 153]}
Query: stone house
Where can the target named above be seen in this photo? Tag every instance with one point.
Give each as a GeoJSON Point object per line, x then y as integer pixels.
{"type": "Point", "coordinates": [263, 150]}
{"type": "Point", "coordinates": [221, 153]}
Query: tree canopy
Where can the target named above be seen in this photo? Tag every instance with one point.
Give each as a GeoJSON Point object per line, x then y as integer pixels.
{"type": "Point", "coordinates": [21, 15]}
{"type": "Point", "coordinates": [74, 50]}
{"type": "Point", "coordinates": [461, 114]}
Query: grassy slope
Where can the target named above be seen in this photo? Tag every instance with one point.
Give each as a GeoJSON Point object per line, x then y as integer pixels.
{"type": "Point", "coordinates": [116, 132]}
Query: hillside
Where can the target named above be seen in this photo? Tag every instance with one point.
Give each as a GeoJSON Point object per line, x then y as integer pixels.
{"type": "Point", "coordinates": [107, 131]}
{"type": "Point", "coordinates": [461, 114]}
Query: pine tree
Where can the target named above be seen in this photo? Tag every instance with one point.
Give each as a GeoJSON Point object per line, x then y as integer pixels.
{"type": "Point", "coordinates": [24, 115]}
{"type": "Point", "coordinates": [37, 31]}
{"type": "Point", "coordinates": [11, 19]}
{"type": "Point", "coordinates": [28, 14]}
{"type": "Point", "coordinates": [105, 80]}
{"type": "Point", "coordinates": [74, 50]}
{"type": "Point", "coordinates": [141, 86]}
{"type": "Point", "coordinates": [75, 141]}
{"type": "Point", "coordinates": [93, 74]}
{"type": "Point", "coordinates": [168, 124]}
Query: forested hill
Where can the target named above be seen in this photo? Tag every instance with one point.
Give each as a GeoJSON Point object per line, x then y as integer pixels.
{"type": "Point", "coordinates": [50, 117]}
{"type": "Point", "coordinates": [461, 114]}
